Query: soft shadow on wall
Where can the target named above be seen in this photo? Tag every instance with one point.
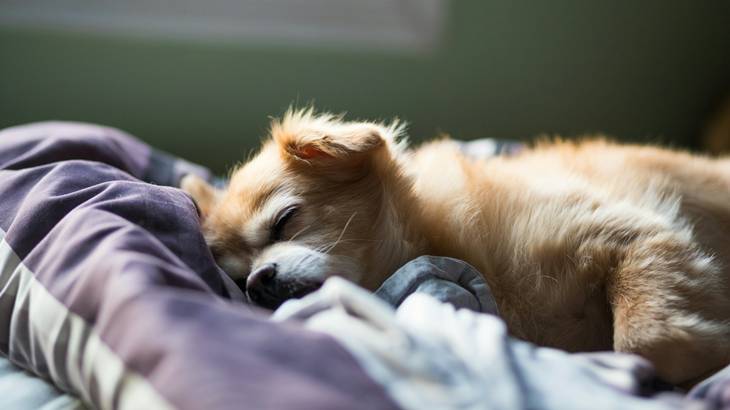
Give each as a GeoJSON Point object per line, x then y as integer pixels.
{"type": "Point", "coordinates": [201, 79]}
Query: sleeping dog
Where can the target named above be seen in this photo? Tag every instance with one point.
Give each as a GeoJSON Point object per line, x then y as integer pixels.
{"type": "Point", "coordinates": [586, 246]}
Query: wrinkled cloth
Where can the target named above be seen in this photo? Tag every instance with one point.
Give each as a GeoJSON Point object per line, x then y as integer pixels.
{"type": "Point", "coordinates": [715, 390]}
{"type": "Point", "coordinates": [429, 355]}
{"type": "Point", "coordinates": [445, 279]}
{"type": "Point", "coordinates": [22, 390]}
{"type": "Point", "coordinates": [109, 292]}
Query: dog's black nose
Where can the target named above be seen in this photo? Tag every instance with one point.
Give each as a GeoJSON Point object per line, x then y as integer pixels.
{"type": "Point", "coordinates": [261, 286]}
{"type": "Point", "coordinates": [267, 288]}
{"type": "Point", "coordinates": [263, 274]}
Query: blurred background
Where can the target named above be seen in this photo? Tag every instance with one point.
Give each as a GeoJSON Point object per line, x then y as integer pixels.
{"type": "Point", "coordinates": [201, 78]}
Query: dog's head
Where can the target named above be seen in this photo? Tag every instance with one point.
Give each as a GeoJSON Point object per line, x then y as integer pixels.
{"type": "Point", "coordinates": [316, 201]}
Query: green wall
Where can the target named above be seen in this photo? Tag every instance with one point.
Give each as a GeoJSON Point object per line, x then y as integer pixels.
{"type": "Point", "coordinates": [648, 70]}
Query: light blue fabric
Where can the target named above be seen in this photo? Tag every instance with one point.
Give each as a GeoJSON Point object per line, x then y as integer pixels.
{"type": "Point", "coordinates": [20, 390]}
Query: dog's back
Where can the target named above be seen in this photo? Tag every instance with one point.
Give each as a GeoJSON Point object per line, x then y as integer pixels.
{"type": "Point", "coordinates": [591, 246]}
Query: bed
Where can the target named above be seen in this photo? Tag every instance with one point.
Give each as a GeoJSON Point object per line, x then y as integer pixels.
{"type": "Point", "coordinates": [109, 298]}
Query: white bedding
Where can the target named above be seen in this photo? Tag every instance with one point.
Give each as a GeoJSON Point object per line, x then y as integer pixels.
{"type": "Point", "coordinates": [20, 390]}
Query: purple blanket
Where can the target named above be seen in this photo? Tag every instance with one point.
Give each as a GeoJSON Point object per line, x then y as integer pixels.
{"type": "Point", "coordinates": [107, 288]}
{"type": "Point", "coordinates": [108, 291]}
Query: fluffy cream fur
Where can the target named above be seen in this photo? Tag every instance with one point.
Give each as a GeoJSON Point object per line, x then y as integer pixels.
{"type": "Point", "coordinates": [586, 246]}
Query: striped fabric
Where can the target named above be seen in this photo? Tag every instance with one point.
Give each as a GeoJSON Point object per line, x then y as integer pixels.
{"type": "Point", "coordinates": [108, 291]}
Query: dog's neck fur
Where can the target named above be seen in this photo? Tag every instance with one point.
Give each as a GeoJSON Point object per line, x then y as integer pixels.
{"type": "Point", "coordinates": [404, 232]}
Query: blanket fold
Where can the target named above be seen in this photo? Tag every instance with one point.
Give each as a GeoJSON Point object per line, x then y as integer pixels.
{"type": "Point", "coordinates": [430, 355]}
{"type": "Point", "coordinates": [446, 279]}
{"type": "Point", "coordinates": [108, 290]}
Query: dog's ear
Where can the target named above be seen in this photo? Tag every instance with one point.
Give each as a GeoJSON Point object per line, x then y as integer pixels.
{"type": "Point", "coordinates": [204, 194]}
{"type": "Point", "coordinates": [325, 139]}
{"type": "Point", "coordinates": [338, 144]}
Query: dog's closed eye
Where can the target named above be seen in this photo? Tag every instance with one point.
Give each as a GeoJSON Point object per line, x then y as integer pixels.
{"type": "Point", "coordinates": [277, 230]}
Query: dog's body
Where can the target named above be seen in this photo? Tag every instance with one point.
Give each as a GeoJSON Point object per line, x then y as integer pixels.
{"type": "Point", "coordinates": [587, 246]}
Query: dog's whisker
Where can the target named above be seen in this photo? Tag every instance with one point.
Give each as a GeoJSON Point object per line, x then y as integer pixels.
{"type": "Point", "coordinates": [342, 233]}
{"type": "Point", "coordinates": [317, 219]}
{"type": "Point", "coordinates": [302, 230]}
{"type": "Point", "coordinates": [321, 248]}
{"type": "Point", "coordinates": [362, 240]}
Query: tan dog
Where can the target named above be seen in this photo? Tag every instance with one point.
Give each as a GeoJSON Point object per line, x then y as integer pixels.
{"type": "Point", "coordinates": [586, 246]}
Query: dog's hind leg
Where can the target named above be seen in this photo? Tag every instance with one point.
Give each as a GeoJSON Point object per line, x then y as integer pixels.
{"type": "Point", "coordinates": [669, 305]}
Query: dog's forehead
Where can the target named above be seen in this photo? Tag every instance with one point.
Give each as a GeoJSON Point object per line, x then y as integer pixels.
{"type": "Point", "coordinates": [260, 166]}
{"type": "Point", "coordinates": [256, 180]}
{"type": "Point", "coordinates": [257, 190]}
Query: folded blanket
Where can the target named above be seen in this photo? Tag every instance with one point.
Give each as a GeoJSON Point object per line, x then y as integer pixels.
{"type": "Point", "coordinates": [108, 290]}
{"type": "Point", "coordinates": [432, 356]}
{"type": "Point", "coordinates": [446, 279]}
